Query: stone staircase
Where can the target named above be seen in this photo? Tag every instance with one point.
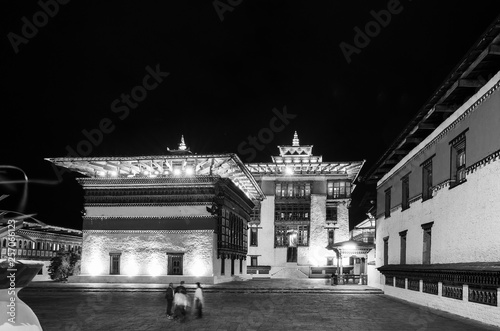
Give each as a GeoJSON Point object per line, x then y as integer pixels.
{"type": "Point", "coordinates": [291, 271]}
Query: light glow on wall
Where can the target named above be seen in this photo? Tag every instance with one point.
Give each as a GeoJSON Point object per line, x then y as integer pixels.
{"type": "Point", "coordinates": [198, 268]}
{"type": "Point", "coordinates": [131, 267]}
{"type": "Point", "coordinates": [154, 266]}
{"type": "Point", "coordinates": [317, 255]}
{"type": "Point", "coordinates": [95, 266]}
{"type": "Point", "coordinates": [154, 269]}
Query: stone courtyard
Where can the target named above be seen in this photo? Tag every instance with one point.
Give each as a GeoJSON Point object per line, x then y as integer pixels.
{"type": "Point", "coordinates": [251, 305]}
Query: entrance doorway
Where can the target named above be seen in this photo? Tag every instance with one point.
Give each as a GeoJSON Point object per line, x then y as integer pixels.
{"type": "Point", "coordinates": [291, 254]}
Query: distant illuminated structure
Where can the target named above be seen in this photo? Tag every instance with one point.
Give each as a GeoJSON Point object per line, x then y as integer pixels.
{"type": "Point", "coordinates": [305, 211]}
{"type": "Point", "coordinates": [39, 242]}
{"type": "Point", "coordinates": [164, 218]}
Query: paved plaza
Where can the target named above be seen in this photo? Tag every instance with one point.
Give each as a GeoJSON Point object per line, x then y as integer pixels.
{"type": "Point", "coordinates": [130, 307]}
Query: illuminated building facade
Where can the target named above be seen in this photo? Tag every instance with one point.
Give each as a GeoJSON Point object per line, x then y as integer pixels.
{"type": "Point", "coordinates": [305, 210]}
{"type": "Point", "coordinates": [164, 218]}
{"type": "Point", "coordinates": [438, 189]}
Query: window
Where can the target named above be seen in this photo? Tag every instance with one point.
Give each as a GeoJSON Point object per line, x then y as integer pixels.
{"type": "Point", "coordinates": [388, 202]}
{"type": "Point", "coordinates": [293, 190]}
{"type": "Point", "coordinates": [114, 263]}
{"type": "Point", "coordinates": [303, 230]}
{"type": "Point", "coordinates": [253, 261]}
{"type": "Point", "coordinates": [175, 263]}
{"type": "Point", "coordinates": [253, 236]}
{"type": "Point", "coordinates": [427, 180]}
{"type": "Point", "coordinates": [232, 231]}
{"type": "Point", "coordinates": [426, 254]}
{"type": "Point", "coordinates": [331, 214]}
{"type": "Point", "coordinates": [291, 235]}
{"type": "Point", "coordinates": [402, 236]}
{"type": "Point", "coordinates": [255, 215]}
{"type": "Point", "coordinates": [232, 267]}
{"type": "Point", "coordinates": [338, 189]}
{"type": "Point", "coordinates": [222, 266]}
{"type": "Point", "coordinates": [405, 191]}
{"type": "Point", "coordinates": [241, 266]}
{"type": "Point", "coordinates": [386, 250]}
{"type": "Point", "coordinates": [458, 162]}
{"type": "Point", "coordinates": [280, 235]}
{"type": "Point", "coordinates": [331, 236]}
{"type": "Point", "coordinates": [292, 212]}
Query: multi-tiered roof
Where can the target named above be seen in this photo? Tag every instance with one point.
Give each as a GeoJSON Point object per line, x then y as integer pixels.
{"type": "Point", "coordinates": [299, 159]}
{"type": "Point", "coordinates": [179, 163]}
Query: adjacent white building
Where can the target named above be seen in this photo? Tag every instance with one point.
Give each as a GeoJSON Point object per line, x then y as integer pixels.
{"type": "Point", "coordinates": [438, 194]}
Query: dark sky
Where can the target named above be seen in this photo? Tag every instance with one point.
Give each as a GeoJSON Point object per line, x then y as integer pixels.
{"type": "Point", "coordinates": [225, 77]}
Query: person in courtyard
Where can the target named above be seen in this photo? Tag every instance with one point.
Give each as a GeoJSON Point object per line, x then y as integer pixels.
{"type": "Point", "coordinates": [198, 300]}
{"type": "Point", "coordinates": [181, 288]}
{"type": "Point", "coordinates": [170, 299]}
{"type": "Point", "coordinates": [180, 306]}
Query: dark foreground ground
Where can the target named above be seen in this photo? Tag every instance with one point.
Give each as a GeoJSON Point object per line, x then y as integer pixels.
{"type": "Point", "coordinates": [135, 310]}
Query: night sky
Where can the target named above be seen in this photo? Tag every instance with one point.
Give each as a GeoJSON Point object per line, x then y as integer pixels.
{"type": "Point", "coordinates": [219, 75]}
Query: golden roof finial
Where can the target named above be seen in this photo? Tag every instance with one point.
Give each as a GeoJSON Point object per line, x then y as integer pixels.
{"type": "Point", "coordinates": [182, 145]}
{"type": "Point", "coordinates": [295, 141]}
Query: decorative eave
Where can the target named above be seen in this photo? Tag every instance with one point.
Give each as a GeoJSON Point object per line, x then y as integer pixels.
{"type": "Point", "coordinates": [464, 81]}
{"type": "Point", "coordinates": [351, 247]}
{"type": "Point", "coordinates": [350, 169]}
{"type": "Point", "coordinates": [165, 166]}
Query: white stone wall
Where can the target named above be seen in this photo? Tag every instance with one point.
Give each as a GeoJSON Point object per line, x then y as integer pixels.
{"type": "Point", "coordinates": [466, 222]}
{"type": "Point", "coordinates": [145, 252]}
{"type": "Point", "coordinates": [372, 273]}
{"type": "Point", "coordinates": [318, 238]}
{"type": "Point", "coordinates": [342, 233]}
{"type": "Point", "coordinates": [483, 313]}
{"type": "Point", "coordinates": [265, 240]}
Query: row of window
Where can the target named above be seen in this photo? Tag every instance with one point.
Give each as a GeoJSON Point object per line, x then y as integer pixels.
{"type": "Point", "coordinates": [426, 250]}
{"type": "Point", "coordinates": [457, 176]}
{"type": "Point", "coordinates": [283, 233]}
{"type": "Point", "coordinates": [232, 231]}
{"type": "Point", "coordinates": [291, 235]}
{"type": "Point", "coordinates": [337, 189]}
{"type": "Point", "coordinates": [294, 212]}
{"type": "Point", "coordinates": [293, 190]}
{"type": "Point", "coordinates": [42, 245]}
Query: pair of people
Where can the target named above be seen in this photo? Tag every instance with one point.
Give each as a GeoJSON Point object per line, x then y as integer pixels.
{"type": "Point", "coordinates": [179, 300]}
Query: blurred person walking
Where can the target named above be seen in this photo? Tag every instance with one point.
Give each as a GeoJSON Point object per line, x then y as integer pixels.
{"type": "Point", "coordinates": [170, 299]}
{"type": "Point", "coordinates": [198, 300]}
